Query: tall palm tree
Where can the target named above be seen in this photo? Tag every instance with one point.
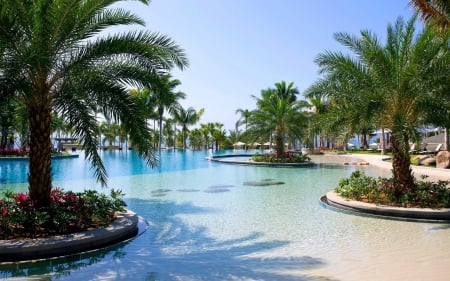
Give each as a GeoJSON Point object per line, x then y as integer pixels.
{"type": "Point", "coordinates": [186, 117]}
{"type": "Point", "coordinates": [57, 57]}
{"type": "Point", "coordinates": [164, 97]}
{"type": "Point", "coordinates": [389, 82]}
{"type": "Point", "coordinates": [433, 11]}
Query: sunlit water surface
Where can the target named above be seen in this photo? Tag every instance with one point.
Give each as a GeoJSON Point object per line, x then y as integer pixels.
{"type": "Point", "coordinates": [206, 224]}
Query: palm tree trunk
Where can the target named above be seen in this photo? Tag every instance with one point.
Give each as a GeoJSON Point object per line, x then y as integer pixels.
{"type": "Point", "coordinates": [279, 144]}
{"type": "Point", "coordinates": [446, 140]}
{"type": "Point", "coordinates": [40, 179]}
{"type": "Point", "coordinates": [401, 168]}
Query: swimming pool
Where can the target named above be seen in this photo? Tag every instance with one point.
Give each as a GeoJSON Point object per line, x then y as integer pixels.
{"type": "Point", "coordinates": [205, 223]}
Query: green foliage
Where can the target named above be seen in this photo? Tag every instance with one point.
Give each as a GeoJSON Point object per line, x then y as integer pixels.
{"type": "Point", "coordinates": [381, 190]}
{"type": "Point", "coordinates": [68, 212]}
{"type": "Point", "coordinates": [287, 157]}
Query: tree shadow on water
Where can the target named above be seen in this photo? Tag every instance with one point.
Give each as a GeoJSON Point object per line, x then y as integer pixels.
{"type": "Point", "coordinates": [172, 249]}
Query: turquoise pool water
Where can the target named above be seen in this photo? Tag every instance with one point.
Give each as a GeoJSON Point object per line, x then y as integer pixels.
{"type": "Point", "coordinates": [205, 223]}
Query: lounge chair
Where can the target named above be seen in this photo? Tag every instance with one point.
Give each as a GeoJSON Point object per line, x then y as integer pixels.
{"type": "Point", "coordinates": [423, 148]}
{"type": "Point", "coordinates": [432, 152]}
{"type": "Point", "coordinates": [437, 149]}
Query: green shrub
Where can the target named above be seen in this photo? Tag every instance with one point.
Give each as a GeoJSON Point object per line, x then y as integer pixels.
{"type": "Point", "coordinates": [287, 157]}
{"type": "Point", "coordinates": [380, 190]}
{"type": "Point", "coordinates": [68, 212]}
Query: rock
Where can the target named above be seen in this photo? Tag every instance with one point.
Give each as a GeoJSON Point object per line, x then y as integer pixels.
{"type": "Point", "coordinates": [427, 161]}
{"type": "Point", "coordinates": [443, 160]}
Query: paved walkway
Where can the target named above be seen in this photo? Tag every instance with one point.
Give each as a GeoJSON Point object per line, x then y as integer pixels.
{"type": "Point", "coordinates": [377, 160]}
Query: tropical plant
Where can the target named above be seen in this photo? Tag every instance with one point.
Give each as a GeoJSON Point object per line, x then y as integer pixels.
{"type": "Point", "coordinates": [279, 112]}
{"type": "Point", "coordinates": [245, 115]}
{"type": "Point", "coordinates": [56, 56]}
{"type": "Point", "coordinates": [381, 191]}
{"type": "Point", "coordinates": [163, 97]}
{"type": "Point", "coordinates": [195, 139]}
{"type": "Point", "coordinates": [388, 83]}
{"type": "Point", "coordinates": [186, 117]}
{"type": "Point", "coordinates": [68, 212]}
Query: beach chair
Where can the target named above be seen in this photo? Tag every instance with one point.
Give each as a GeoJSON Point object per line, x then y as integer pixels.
{"type": "Point", "coordinates": [423, 149]}
{"type": "Point", "coordinates": [437, 149]}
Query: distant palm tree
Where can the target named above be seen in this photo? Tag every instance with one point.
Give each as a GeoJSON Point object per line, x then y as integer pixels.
{"type": "Point", "coordinates": [186, 117]}
{"type": "Point", "coordinates": [279, 112]}
{"type": "Point", "coordinates": [56, 57]}
{"type": "Point", "coordinates": [245, 114]}
{"type": "Point", "coordinates": [196, 139]}
{"type": "Point", "coordinates": [207, 130]}
{"type": "Point", "coordinates": [164, 97]}
{"type": "Point", "coordinates": [219, 134]}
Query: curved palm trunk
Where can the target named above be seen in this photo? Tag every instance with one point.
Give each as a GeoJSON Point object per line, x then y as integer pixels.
{"type": "Point", "coordinates": [40, 178]}
{"type": "Point", "coordinates": [401, 168]}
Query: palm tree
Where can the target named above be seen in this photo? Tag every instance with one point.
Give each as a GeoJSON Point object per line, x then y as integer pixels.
{"type": "Point", "coordinates": [279, 112]}
{"type": "Point", "coordinates": [433, 11]}
{"type": "Point", "coordinates": [195, 139]}
{"type": "Point", "coordinates": [245, 114]}
{"type": "Point", "coordinates": [186, 117]}
{"type": "Point", "coordinates": [207, 130]}
{"type": "Point", "coordinates": [218, 134]}
{"type": "Point", "coordinates": [388, 82]}
{"type": "Point", "coordinates": [164, 97]}
{"type": "Point", "coordinates": [56, 57]}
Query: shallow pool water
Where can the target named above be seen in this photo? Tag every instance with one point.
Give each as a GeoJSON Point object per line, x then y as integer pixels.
{"type": "Point", "coordinates": [206, 224]}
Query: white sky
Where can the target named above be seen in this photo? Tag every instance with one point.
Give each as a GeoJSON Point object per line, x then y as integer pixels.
{"type": "Point", "coordinates": [236, 48]}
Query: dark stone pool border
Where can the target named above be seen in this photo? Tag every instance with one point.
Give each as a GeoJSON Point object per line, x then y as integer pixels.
{"type": "Point", "coordinates": [123, 228]}
{"type": "Point", "coordinates": [336, 202]}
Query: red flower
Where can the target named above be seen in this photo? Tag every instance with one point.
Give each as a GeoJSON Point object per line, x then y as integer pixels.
{"type": "Point", "coordinates": [4, 211]}
{"type": "Point", "coordinates": [21, 198]}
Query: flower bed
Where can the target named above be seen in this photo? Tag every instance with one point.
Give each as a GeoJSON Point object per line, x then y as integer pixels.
{"type": "Point", "coordinates": [287, 157]}
{"type": "Point", "coordinates": [381, 191]}
{"type": "Point", "coordinates": [68, 212]}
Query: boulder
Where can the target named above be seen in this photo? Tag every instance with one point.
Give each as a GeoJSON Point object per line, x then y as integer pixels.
{"type": "Point", "coordinates": [427, 161]}
{"type": "Point", "coordinates": [443, 160]}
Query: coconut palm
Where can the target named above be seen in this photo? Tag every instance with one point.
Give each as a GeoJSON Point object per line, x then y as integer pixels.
{"type": "Point", "coordinates": [164, 97]}
{"type": "Point", "coordinates": [57, 57]}
{"type": "Point", "coordinates": [389, 83]}
{"type": "Point", "coordinates": [196, 139]}
{"type": "Point", "coordinates": [245, 114]}
{"type": "Point", "coordinates": [186, 117]}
